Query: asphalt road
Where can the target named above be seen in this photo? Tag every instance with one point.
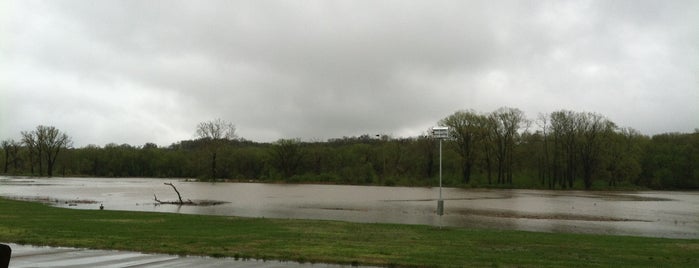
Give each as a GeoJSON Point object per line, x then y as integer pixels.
{"type": "Point", "coordinates": [31, 256]}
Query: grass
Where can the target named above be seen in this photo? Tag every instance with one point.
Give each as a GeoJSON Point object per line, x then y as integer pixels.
{"type": "Point", "coordinates": [331, 241]}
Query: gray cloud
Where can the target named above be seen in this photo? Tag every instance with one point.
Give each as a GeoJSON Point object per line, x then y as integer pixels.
{"type": "Point", "coordinates": [140, 71]}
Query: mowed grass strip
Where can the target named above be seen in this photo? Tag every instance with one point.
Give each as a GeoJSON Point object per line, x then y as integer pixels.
{"type": "Point", "coordinates": [331, 241]}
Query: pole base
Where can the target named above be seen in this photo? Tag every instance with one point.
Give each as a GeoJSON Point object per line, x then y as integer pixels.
{"type": "Point", "coordinates": [440, 207]}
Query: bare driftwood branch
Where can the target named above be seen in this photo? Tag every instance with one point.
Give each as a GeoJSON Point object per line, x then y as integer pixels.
{"type": "Point", "coordinates": [181, 202]}
{"type": "Point", "coordinates": [188, 202]}
{"type": "Point", "coordinates": [176, 191]}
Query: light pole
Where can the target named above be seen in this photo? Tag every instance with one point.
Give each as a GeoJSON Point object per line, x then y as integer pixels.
{"type": "Point", "coordinates": [440, 133]}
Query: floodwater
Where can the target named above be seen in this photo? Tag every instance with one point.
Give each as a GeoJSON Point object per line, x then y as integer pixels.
{"type": "Point", "coordinates": [647, 213]}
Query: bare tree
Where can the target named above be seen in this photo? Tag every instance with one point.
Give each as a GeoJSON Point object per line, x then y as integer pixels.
{"type": "Point", "coordinates": [214, 133]}
{"type": "Point", "coordinates": [30, 140]}
{"type": "Point", "coordinates": [51, 142]}
{"type": "Point", "coordinates": [45, 143]}
{"type": "Point", "coordinates": [217, 129]}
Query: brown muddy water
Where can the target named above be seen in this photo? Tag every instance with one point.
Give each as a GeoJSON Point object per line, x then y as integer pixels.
{"type": "Point", "coordinates": [647, 213]}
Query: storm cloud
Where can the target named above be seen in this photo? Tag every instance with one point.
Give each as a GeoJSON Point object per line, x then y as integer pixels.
{"type": "Point", "coordinates": [149, 71]}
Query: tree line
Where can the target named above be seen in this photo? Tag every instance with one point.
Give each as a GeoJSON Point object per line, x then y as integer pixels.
{"type": "Point", "coordinates": [561, 150]}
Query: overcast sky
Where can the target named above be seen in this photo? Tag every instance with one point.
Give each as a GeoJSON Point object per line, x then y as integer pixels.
{"type": "Point", "coordinates": [149, 71]}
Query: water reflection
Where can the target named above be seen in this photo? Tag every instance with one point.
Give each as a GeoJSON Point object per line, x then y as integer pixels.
{"type": "Point", "coordinates": [652, 213]}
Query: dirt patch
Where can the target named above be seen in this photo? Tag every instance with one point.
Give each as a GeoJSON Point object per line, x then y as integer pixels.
{"type": "Point", "coordinates": [447, 199]}
{"type": "Point", "coordinates": [607, 196]}
{"type": "Point", "coordinates": [336, 208]}
{"type": "Point", "coordinates": [49, 200]}
{"type": "Point", "coordinates": [688, 246]}
{"type": "Point", "coordinates": [127, 220]}
{"type": "Point", "coordinates": [624, 197]}
{"type": "Point", "coordinates": [209, 202]}
{"type": "Point", "coordinates": [201, 203]}
{"type": "Point", "coordinates": [28, 184]}
{"type": "Point", "coordinates": [540, 216]}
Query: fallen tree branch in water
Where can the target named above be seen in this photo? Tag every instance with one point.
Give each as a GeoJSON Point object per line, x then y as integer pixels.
{"type": "Point", "coordinates": [176, 191]}
{"type": "Point", "coordinates": [188, 202]}
{"type": "Point", "coordinates": [181, 202]}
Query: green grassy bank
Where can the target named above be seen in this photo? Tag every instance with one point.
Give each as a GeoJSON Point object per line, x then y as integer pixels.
{"type": "Point", "coordinates": [331, 241]}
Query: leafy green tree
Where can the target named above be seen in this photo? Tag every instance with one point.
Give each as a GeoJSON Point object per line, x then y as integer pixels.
{"type": "Point", "coordinates": [625, 156]}
{"type": "Point", "coordinates": [11, 149]}
{"type": "Point", "coordinates": [595, 131]}
{"type": "Point", "coordinates": [428, 150]}
{"type": "Point", "coordinates": [485, 126]}
{"type": "Point", "coordinates": [286, 156]}
{"type": "Point", "coordinates": [92, 154]}
{"type": "Point", "coordinates": [670, 161]}
{"type": "Point", "coordinates": [529, 159]}
{"type": "Point", "coordinates": [564, 128]}
{"type": "Point", "coordinates": [505, 124]}
{"type": "Point", "coordinates": [543, 163]}
{"type": "Point", "coordinates": [464, 129]}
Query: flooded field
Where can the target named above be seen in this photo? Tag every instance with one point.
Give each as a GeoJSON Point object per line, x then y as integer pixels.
{"type": "Point", "coordinates": [649, 213]}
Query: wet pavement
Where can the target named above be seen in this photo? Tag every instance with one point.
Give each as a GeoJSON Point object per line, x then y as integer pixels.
{"type": "Point", "coordinates": [32, 256]}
